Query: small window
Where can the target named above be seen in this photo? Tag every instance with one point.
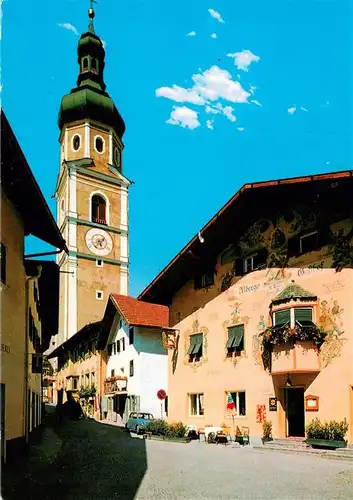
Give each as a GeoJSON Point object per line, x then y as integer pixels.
{"type": "Point", "coordinates": [93, 378]}
{"type": "Point", "coordinates": [228, 255]}
{"type": "Point", "coordinates": [74, 383]}
{"type": "Point", "coordinates": [110, 349]}
{"type": "Point", "coordinates": [99, 144]}
{"type": "Point", "coordinates": [37, 363]}
{"type": "Point", "coordinates": [114, 349]}
{"type": "Point", "coordinates": [112, 373]}
{"type": "Point", "coordinates": [3, 263]}
{"type": "Point", "coordinates": [98, 209]}
{"type": "Point", "coordinates": [195, 347]}
{"type": "Point", "coordinates": [309, 242]}
{"type": "Point", "coordinates": [99, 295]}
{"type": "Point", "coordinates": [196, 405]}
{"type": "Point", "coordinates": [281, 318]}
{"type": "Point", "coordinates": [87, 379]}
{"type": "Point", "coordinates": [131, 335]}
{"type": "Point", "coordinates": [76, 142]}
{"type": "Point", "coordinates": [132, 368]}
{"type": "Point", "coordinates": [235, 342]}
{"type": "Point", "coordinates": [236, 402]}
{"type": "Point", "coordinates": [99, 263]}
{"type": "Point", "coordinates": [303, 316]}
{"type": "Point", "coordinates": [118, 346]}
{"type": "Point", "coordinates": [85, 63]}
{"type": "Point", "coordinates": [94, 65]}
{"type": "Point", "coordinates": [120, 323]}
{"type": "Point", "coordinates": [123, 344]}
{"type": "Point", "coordinates": [204, 280]}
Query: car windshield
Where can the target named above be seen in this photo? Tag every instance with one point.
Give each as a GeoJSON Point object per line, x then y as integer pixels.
{"type": "Point", "coordinates": [145, 416]}
{"type": "Point", "coordinates": [133, 415]}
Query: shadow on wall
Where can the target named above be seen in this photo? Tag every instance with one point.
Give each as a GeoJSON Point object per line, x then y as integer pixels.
{"type": "Point", "coordinates": [81, 460]}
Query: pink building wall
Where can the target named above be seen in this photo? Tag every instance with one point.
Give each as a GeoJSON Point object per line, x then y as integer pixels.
{"type": "Point", "coordinates": [247, 301]}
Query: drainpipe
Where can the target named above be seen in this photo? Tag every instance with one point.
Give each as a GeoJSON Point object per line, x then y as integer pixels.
{"type": "Point", "coordinates": [26, 409]}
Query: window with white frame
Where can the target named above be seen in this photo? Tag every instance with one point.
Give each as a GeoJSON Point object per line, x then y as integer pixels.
{"type": "Point", "coordinates": [99, 295]}
{"type": "Point", "coordinates": [236, 401]}
{"type": "Point", "coordinates": [196, 404]}
{"type": "Point", "coordinates": [195, 350]}
{"type": "Point", "coordinates": [235, 342]}
{"type": "Point", "coordinates": [292, 316]}
{"type": "Point", "coordinates": [99, 144]}
{"type": "Point", "coordinates": [99, 263]}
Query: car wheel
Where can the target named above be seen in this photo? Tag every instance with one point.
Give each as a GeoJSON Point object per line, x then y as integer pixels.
{"type": "Point", "coordinates": [137, 429]}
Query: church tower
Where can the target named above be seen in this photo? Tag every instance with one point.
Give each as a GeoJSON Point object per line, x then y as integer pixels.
{"type": "Point", "coordinates": [91, 194]}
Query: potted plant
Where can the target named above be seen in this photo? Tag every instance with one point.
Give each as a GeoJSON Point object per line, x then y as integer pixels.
{"type": "Point", "coordinates": [327, 434]}
{"type": "Point", "coordinates": [267, 431]}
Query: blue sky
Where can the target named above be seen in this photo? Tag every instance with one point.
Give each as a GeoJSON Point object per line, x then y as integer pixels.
{"type": "Point", "coordinates": [268, 95]}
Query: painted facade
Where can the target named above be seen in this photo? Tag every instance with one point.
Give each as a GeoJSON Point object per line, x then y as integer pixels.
{"type": "Point", "coordinates": [245, 338]}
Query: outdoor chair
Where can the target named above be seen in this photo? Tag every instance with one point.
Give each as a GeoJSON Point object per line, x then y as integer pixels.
{"type": "Point", "coordinates": [211, 438]}
{"type": "Point", "coordinates": [221, 437]}
{"type": "Point", "coordinates": [242, 436]}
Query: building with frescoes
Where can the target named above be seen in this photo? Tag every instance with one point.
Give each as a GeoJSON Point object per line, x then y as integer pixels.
{"type": "Point", "coordinates": [261, 308]}
{"type": "Point", "coordinates": [92, 213]}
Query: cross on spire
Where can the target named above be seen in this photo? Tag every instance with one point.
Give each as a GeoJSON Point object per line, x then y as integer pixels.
{"type": "Point", "coordinates": [91, 16]}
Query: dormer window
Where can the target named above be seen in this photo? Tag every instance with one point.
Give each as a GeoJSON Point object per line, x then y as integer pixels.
{"type": "Point", "coordinates": [204, 280]}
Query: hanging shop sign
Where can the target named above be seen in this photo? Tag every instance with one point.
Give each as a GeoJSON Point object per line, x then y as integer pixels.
{"type": "Point", "coordinates": [272, 404]}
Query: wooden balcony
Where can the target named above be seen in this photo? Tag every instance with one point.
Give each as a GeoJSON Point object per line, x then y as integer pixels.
{"type": "Point", "coordinates": [303, 357]}
{"type": "Point", "coordinates": [113, 385]}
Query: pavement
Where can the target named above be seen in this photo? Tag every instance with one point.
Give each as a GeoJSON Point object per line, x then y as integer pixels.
{"type": "Point", "coordinates": [84, 460]}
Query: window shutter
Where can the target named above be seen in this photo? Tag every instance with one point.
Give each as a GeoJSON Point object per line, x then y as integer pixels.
{"type": "Point", "coordinates": [118, 346]}
{"type": "Point", "coordinates": [303, 315]}
{"type": "Point", "coordinates": [195, 343]}
{"type": "Point", "coordinates": [238, 267]}
{"type": "Point", "coordinates": [282, 317]}
{"type": "Point", "coordinates": [238, 335]}
{"type": "Point", "coordinates": [231, 337]}
{"type": "Point", "coordinates": [110, 347]}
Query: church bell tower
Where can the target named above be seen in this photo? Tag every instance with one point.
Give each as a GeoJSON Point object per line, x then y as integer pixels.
{"type": "Point", "coordinates": [91, 194]}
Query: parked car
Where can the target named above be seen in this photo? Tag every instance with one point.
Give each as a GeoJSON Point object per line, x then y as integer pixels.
{"type": "Point", "coordinates": [137, 421]}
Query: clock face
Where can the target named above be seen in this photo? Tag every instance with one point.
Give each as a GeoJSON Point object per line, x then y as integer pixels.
{"type": "Point", "coordinates": [116, 157]}
{"type": "Point", "coordinates": [99, 241]}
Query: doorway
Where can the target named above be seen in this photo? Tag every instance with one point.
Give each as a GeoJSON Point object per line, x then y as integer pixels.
{"type": "Point", "coordinates": [295, 412]}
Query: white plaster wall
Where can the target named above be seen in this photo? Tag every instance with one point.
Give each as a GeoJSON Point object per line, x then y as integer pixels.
{"type": "Point", "coordinates": [150, 364]}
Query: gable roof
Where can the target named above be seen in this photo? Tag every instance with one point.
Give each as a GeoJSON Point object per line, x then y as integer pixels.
{"type": "Point", "coordinates": [139, 313]}
{"type": "Point", "coordinates": [234, 218]}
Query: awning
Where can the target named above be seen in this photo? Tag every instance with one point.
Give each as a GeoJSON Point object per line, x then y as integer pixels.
{"type": "Point", "coordinates": [235, 336]}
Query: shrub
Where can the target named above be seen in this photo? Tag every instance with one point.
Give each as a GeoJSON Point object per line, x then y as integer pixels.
{"type": "Point", "coordinates": [160, 427]}
{"type": "Point", "coordinates": [332, 430]}
{"type": "Point", "coordinates": [267, 429]}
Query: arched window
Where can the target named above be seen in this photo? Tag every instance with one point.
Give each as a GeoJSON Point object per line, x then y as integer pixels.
{"type": "Point", "coordinates": [98, 209]}
{"type": "Point", "coordinates": [99, 144]}
{"type": "Point", "coordinates": [84, 63]}
{"type": "Point", "coordinates": [94, 65]}
{"type": "Point", "coordinates": [76, 142]}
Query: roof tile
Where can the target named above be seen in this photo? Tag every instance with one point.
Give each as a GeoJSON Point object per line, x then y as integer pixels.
{"type": "Point", "coordinates": [139, 313]}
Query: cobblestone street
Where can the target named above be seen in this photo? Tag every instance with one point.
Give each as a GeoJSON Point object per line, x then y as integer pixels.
{"type": "Point", "coordinates": [87, 460]}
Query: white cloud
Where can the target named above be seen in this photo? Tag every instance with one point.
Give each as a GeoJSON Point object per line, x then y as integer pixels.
{"type": "Point", "coordinates": [184, 117]}
{"type": "Point", "coordinates": [328, 163]}
{"type": "Point", "coordinates": [303, 109]}
{"type": "Point", "coordinates": [104, 43]}
{"type": "Point", "coordinates": [209, 124]}
{"type": "Point", "coordinates": [214, 35]}
{"type": "Point", "coordinates": [292, 110]}
{"type": "Point", "coordinates": [243, 59]}
{"type": "Point", "coordinates": [216, 83]}
{"type": "Point", "coordinates": [216, 15]}
{"type": "Point", "coordinates": [69, 27]}
{"type": "Point", "coordinates": [228, 112]}
{"type": "Point", "coordinates": [179, 94]}
{"type": "Point", "coordinates": [209, 109]}
{"type": "Point", "coordinates": [255, 101]}
{"type": "Point", "coordinates": [241, 129]}
{"type": "Point", "coordinates": [252, 89]}
{"type": "Point", "coordinates": [192, 33]}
